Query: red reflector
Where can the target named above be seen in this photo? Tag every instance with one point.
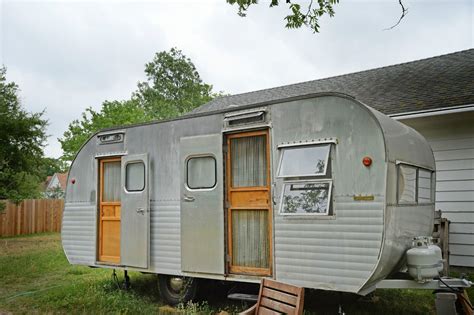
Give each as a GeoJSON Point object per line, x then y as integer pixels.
{"type": "Point", "coordinates": [367, 161]}
{"type": "Point", "coordinates": [73, 181]}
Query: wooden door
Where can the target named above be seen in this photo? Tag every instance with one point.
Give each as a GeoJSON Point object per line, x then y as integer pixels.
{"type": "Point", "coordinates": [109, 210]}
{"type": "Point", "coordinates": [248, 200]}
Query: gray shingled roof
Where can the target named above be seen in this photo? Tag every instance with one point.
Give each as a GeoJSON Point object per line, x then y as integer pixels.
{"type": "Point", "coordinates": [436, 82]}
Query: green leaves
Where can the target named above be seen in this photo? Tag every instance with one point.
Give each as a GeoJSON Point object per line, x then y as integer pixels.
{"type": "Point", "coordinates": [115, 113]}
{"type": "Point", "coordinates": [307, 15]}
{"type": "Point", "coordinates": [22, 139]}
{"type": "Point", "coordinates": [173, 88]}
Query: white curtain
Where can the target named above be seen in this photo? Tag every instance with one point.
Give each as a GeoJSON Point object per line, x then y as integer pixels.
{"type": "Point", "coordinates": [112, 179]}
{"type": "Point", "coordinates": [249, 161]}
{"type": "Point", "coordinates": [250, 246]}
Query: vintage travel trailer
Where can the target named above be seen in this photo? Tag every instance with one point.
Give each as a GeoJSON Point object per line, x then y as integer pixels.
{"type": "Point", "coordinates": [319, 191]}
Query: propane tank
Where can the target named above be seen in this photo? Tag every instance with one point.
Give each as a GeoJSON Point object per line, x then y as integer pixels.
{"type": "Point", "coordinates": [424, 259]}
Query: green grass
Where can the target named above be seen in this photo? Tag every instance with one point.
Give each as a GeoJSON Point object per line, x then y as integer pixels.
{"type": "Point", "coordinates": [35, 277]}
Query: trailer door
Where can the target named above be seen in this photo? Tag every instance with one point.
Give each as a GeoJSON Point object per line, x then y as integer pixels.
{"type": "Point", "coordinates": [135, 211]}
{"type": "Point", "coordinates": [202, 212]}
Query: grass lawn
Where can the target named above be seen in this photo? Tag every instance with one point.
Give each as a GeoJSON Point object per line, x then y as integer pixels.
{"type": "Point", "coordinates": [35, 277]}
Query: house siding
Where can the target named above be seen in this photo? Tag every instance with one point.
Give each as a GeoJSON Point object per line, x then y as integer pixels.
{"type": "Point", "coordinates": [452, 140]}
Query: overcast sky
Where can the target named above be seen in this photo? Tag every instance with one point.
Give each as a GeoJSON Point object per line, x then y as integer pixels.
{"type": "Point", "coordinates": [67, 56]}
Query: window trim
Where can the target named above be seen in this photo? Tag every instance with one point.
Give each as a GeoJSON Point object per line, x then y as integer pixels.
{"type": "Point", "coordinates": [186, 162]}
{"type": "Point", "coordinates": [316, 214]}
{"type": "Point", "coordinates": [144, 176]}
{"type": "Point", "coordinates": [417, 168]}
{"type": "Point", "coordinates": [290, 147]}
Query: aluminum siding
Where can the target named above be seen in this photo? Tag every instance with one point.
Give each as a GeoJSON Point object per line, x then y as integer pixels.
{"type": "Point", "coordinates": [78, 232]}
{"type": "Point", "coordinates": [165, 250]}
{"type": "Point", "coordinates": [337, 254]}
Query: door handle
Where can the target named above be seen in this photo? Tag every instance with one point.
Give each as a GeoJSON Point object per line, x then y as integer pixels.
{"type": "Point", "coordinates": [141, 210]}
{"type": "Point", "coordinates": [188, 198]}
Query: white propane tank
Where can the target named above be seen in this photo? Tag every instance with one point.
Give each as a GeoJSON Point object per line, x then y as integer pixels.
{"type": "Point", "coordinates": [424, 259]}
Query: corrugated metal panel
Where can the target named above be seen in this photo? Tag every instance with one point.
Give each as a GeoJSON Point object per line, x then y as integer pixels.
{"type": "Point", "coordinates": [453, 154]}
{"type": "Point", "coordinates": [455, 206]}
{"type": "Point", "coordinates": [455, 185]}
{"type": "Point", "coordinates": [337, 254]}
{"type": "Point", "coordinates": [462, 238]}
{"type": "Point", "coordinates": [165, 249]}
{"type": "Point", "coordinates": [78, 232]}
{"type": "Point", "coordinates": [461, 260]}
{"type": "Point", "coordinates": [452, 144]}
{"type": "Point", "coordinates": [452, 140]}
{"type": "Point", "coordinates": [466, 250]}
{"type": "Point", "coordinates": [466, 217]}
{"type": "Point", "coordinates": [454, 196]}
{"type": "Point", "coordinates": [455, 174]}
{"type": "Point", "coordinates": [461, 227]}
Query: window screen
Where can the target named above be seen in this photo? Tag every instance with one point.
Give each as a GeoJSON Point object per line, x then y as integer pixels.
{"type": "Point", "coordinates": [304, 161]}
{"type": "Point", "coordinates": [250, 242]}
{"type": "Point", "coordinates": [249, 161]}
{"type": "Point", "coordinates": [406, 184]}
{"type": "Point", "coordinates": [424, 186]}
{"type": "Point", "coordinates": [111, 181]}
{"type": "Point", "coordinates": [306, 198]}
{"type": "Point", "coordinates": [201, 172]}
{"type": "Point", "coordinates": [135, 176]}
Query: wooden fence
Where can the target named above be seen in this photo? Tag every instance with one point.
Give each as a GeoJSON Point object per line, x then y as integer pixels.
{"type": "Point", "coordinates": [31, 216]}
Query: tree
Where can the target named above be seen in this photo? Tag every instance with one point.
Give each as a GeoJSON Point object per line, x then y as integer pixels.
{"type": "Point", "coordinates": [52, 166]}
{"type": "Point", "coordinates": [309, 15]}
{"type": "Point", "coordinates": [22, 139]}
{"type": "Point", "coordinates": [115, 113]}
{"type": "Point", "coordinates": [173, 86]}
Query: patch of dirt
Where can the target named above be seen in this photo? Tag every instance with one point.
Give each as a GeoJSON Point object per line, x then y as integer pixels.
{"type": "Point", "coordinates": [16, 246]}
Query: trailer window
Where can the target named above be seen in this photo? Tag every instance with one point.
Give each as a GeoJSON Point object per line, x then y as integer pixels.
{"type": "Point", "coordinates": [306, 198]}
{"type": "Point", "coordinates": [304, 161]}
{"type": "Point", "coordinates": [415, 185]}
{"type": "Point", "coordinates": [135, 176]}
{"type": "Point", "coordinates": [424, 186]}
{"type": "Point", "coordinates": [201, 172]}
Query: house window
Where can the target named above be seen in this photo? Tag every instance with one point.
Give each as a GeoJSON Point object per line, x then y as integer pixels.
{"type": "Point", "coordinates": [201, 172]}
{"type": "Point", "coordinates": [307, 182]}
{"type": "Point", "coordinates": [135, 176]}
{"type": "Point", "coordinates": [415, 185]}
{"type": "Point", "coordinates": [304, 161]}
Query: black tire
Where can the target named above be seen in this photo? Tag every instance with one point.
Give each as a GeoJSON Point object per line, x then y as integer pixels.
{"type": "Point", "coordinates": [173, 293]}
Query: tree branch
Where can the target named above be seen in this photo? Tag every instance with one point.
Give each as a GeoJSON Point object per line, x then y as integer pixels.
{"type": "Point", "coordinates": [404, 12]}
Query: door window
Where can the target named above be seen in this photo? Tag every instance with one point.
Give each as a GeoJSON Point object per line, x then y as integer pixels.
{"type": "Point", "coordinates": [135, 176]}
{"type": "Point", "coordinates": [201, 172]}
{"type": "Point", "coordinates": [249, 161]}
{"type": "Point", "coordinates": [251, 246]}
{"type": "Point", "coordinates": [111, 185]}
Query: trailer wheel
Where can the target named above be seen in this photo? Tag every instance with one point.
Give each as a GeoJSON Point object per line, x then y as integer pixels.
{"type": "Point", "coordinates": [175, 289]}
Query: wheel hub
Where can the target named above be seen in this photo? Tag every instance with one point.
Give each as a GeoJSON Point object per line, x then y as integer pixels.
{"type": "Point", "coordinates": [176, 284]}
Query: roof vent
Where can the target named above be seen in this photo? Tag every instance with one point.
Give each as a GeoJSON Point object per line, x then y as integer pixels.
{"type": "Point", "coordinates": [245, 118]}
{"type": "Point", "coordinates": [110, 138]}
